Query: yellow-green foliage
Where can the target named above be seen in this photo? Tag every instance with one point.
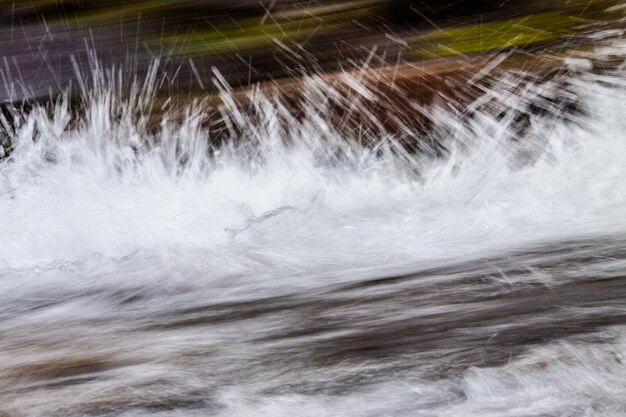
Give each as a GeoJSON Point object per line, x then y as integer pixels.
{"type": "Point", "coordinates": [518, 32]}
{"type": "Point", "coordinates": [567, 18]}
{"type": "Point", "coordinates": [296, 22]}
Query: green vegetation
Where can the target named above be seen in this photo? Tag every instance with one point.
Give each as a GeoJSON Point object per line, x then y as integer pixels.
{"type": "Point", "coordinates": [567, 19]}
{"type": "Point", "coordinates": [193, 28]}
{"type": "Point", "coordinates": [518, 32]}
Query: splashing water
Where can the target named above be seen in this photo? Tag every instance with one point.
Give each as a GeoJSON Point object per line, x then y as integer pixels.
{"type": "Point", "coordinates": [293, 270]}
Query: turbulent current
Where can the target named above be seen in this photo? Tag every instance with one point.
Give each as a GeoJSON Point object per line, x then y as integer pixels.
{"type": "Point", "coordinates": [295, 270]}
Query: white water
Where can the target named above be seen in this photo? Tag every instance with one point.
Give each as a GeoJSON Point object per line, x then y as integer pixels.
{"type": "Point", "coordinates": [99, 209]}
{"type": "Point", "coordinates": [69, 194]}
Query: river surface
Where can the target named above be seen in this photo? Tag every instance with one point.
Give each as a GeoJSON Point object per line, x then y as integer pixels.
{"type": "Point", "coordinates": [294, 272]}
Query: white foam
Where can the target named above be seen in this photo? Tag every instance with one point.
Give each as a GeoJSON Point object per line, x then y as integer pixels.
{"type": "Point", "coordinates": [108, 187]}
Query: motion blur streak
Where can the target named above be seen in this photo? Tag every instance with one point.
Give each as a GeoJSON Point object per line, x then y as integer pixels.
{"type": "Point", "coordinates": [292, 270]}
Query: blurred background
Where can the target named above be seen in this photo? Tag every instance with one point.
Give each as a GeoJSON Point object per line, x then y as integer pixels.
{"type": "Point", "coordinates": [46, 42]}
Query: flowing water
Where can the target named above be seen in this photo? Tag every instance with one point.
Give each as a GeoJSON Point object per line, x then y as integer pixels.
{"type": "Point", "coordinates": [292, 271]}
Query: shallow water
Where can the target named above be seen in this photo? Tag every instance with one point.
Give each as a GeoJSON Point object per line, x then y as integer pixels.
{"type": "Point", "coordinates": [148, 273]}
